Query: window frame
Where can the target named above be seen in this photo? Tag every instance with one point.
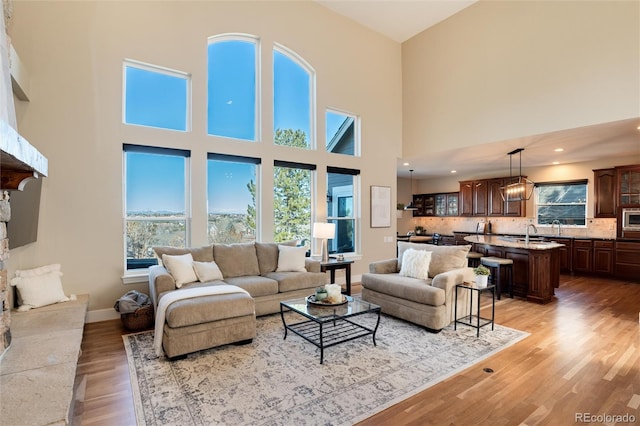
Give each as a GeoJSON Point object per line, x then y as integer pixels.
{"type": "Point", "coordinates": [356, 131]}
{"type": "Point", "coordinates": [257, 109]}
{"type": "Point", "coordinates": [160, 70]}
{"type": "Point", "coordinates": [355, 214]}
{"type": "Point", "coordinates": [294, 57]}
{"type": "Point", "coordinates": [144, 149]}
{"type": "Point", "coordinates": [312, 168]}
{"type": "Point", "coordinates": [257, 162]}
{"type": "Point", "coordinates": [537, 203]}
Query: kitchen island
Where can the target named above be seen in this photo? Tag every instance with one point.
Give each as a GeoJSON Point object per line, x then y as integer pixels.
{"type": "Point", "coordinates": [536, 263]}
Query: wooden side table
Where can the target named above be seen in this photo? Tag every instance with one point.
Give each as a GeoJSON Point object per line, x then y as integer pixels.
{"type": "Point", "coordinates": [332, 265]}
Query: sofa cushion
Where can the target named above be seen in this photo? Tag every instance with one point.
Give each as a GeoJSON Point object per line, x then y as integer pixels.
{"type": "Point", "coordinates": [290, 281]}
{"type": "Point", "coordinates": [268, 255]}
{"type": "Point", "coordinates": [255, 285]}
{"type": "Point", "coordinates": [415, 264]}
{"type": "Point", "coordinates": [291, 259]}
{"type": "Point", "coordinates": [443, 258]}
{"type": "Point", "coordinates": [236, 260]}
{"type": "Point", "coordinates": [201, 254]}
{"type": "Point", "coordinates": [416, 290]}
{"type": "Point", "coordinates": [180, 267]}
{"type": "Point", "coordinates": [447, 258]}
{"type": "Point", "coordinates": [204, 309]}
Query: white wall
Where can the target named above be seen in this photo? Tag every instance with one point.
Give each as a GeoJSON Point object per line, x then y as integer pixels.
{"type": "Point", "coordinates": [74, 53]}
{"type": "Point", "coordinates": [500, 70]}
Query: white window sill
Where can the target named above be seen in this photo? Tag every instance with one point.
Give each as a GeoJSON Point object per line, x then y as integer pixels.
{"type": "Point", "coordinates": [141, 276]}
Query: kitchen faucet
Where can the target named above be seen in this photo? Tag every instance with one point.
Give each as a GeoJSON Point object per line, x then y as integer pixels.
{"type": "Point", "coordinates": [556, 222]}
{"type": "Point", "coordinates": [535, 231]}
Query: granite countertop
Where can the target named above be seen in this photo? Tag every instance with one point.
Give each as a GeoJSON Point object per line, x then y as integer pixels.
{"type": "Point", "coordinates": [546, 236]}
{"type": "Point", "coordinates": [513, 242]}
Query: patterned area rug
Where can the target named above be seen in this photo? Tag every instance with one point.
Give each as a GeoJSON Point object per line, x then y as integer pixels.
{"type": "Point", "coordinates": [281, 382]}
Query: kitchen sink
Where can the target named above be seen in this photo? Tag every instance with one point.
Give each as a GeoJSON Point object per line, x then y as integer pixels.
{"type": "Point", "coordinates": [524, 240]}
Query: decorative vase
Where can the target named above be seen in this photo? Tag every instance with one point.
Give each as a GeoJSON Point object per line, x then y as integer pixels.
{"type": "Point", "coordinates": [482, 280]}
{"type": "Point", "coordinates": [321, 294]}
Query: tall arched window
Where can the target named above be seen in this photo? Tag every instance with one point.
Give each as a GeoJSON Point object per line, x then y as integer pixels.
{"type": "Point", "coordinates": [293, 99]}
{"type": "Point", "coordinates": [232, 109]}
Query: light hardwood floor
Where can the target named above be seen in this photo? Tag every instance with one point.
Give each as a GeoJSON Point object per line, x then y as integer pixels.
{"type": "Point", "coordinates": [583, 356]}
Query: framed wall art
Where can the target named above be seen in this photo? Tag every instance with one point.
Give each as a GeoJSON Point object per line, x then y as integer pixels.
{"type": "Point", "coordinates": [380, 206]}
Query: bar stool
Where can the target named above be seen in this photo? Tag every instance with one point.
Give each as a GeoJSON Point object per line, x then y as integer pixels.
{"type": "Point", "coordinates": [496, 264]}
{"type": "Point", "coordinates": [473, 259]}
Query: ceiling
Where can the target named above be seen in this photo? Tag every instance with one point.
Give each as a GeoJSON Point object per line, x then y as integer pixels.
{"type": "Point", "coordinates": [618, 139]}
{"type": "Point", "coordinates": [397, 19]}
{"type": "Point", "coordinates": [400, 20]}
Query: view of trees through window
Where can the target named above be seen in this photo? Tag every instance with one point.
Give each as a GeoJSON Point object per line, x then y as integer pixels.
{"type": "Point", "coordinates": [292, 194]}
{"type": "Point", "coordinates": [231, 199]}
{"type": "Point", "coordinates": [156, 181]}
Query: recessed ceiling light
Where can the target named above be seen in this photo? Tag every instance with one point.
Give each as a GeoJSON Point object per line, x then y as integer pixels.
{"type": "Point", "coordinates": [405, 164]}
{"type": "Point", "coordinates": [555, 163]}
{"type": "Point", "coordinates": [559, 149]}
{"type": "Point", "coordinates": [454, 171]}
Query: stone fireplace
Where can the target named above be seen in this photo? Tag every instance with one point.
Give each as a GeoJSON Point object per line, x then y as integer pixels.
{"type": "Point", "coordinates": [19, 160]}
{"type": "Point", "coordinates": [5, 300]}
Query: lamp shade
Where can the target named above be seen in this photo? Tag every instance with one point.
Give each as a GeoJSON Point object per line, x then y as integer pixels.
{"type": "Point", "coordinates": [324, 230]}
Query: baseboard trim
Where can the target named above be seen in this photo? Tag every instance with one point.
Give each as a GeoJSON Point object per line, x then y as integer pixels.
{"type": "Point", "coordinates": [101, 315]}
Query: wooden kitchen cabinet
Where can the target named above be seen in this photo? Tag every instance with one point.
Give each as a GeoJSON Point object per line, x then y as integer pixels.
{"type": "Point", "coordinates": [480, 197]}
{"type": "Point", "coordinates": [582, 256]}
{"type": "Point", "coordinates": [603, 255]}
{"type": "Point", "coordinates": [627, 259]}
{"type": "Point", "coordinates": [628, 184]}
{"type": "Point", "coordinates": [566, 253]}
{"type": "Point", "coordinates": [604, 189]}
{"type": "Point", "coordinates": [465, 207]}
{"type": "Point", "coordinates": [495, 202]}
{"type": "Point", "coordinates": [483, 198]}
{"type": "Point", "coordinates": [445, 204]}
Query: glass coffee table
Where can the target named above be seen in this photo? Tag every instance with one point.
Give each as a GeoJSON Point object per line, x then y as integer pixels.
{"type": "Point", "coordinates": [329, 325]}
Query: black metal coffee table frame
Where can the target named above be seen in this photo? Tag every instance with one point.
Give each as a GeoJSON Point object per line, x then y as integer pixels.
{"type": "Point", "coordinates": [328, 326]}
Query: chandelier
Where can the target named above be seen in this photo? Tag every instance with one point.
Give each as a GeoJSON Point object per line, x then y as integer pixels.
{"type": "Point", "coordinates": [518, 188]}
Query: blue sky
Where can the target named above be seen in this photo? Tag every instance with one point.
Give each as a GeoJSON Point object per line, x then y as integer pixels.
{"type": "Point", "coordinates": [156, 182]}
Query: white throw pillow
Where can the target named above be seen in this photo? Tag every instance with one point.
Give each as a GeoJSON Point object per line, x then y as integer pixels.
{"type": "Point", "coordinates": [291, 259]}
{"type": "Point", "coordinates": [415, 264]}
{"type": "Point", "coordinates": [181, 268]}
{"type": "Point", "coordinates": [207, 271]}
{"type": "Point", "coordinates": [39, 286]}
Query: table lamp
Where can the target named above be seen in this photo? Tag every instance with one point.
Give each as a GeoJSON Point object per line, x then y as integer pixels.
{"type": "Point", "coordinates": [324, 231]}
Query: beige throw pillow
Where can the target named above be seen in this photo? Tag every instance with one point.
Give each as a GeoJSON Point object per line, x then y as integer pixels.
{"type": "Point", "coordinates": [181, 268]}
{"type": "Point", "coordinates": [291, 259]}
{"type": "Point", "coordinates": [207, 271]}
{"type": "Point", "coordinates": [415, 264]}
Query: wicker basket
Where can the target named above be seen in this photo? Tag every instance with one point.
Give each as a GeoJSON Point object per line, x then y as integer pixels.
{"type": "Point", "coordinates": [141, 319]}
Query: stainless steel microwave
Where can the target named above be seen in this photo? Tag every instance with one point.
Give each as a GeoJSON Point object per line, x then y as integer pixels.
{"type": "Point", "coordinates": [631, 219]}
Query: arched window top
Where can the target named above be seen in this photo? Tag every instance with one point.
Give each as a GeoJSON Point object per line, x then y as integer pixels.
{"type": "Point", "coordinates": [293, 99]}
{"type": "Point", "coordinates": [233, 86]}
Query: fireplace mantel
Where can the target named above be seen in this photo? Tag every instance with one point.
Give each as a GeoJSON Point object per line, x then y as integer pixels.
{"type": "Point", "coordinates": [19, 160]}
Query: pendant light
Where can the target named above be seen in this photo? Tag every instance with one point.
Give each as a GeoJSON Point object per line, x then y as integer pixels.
{"type": "Point", "coordinates": [411, 206]}
{"type": "Point", "coordinates": [518, 188]}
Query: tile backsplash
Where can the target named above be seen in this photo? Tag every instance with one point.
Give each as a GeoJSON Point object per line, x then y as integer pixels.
{"type": "Point", "coordinates": [596, 228]}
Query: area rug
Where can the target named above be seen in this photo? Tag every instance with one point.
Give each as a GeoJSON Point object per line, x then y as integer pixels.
{"type": "Point", "coordinates": [281, 382]}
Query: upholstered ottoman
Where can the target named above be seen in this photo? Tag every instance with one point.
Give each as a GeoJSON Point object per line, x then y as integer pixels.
{"type": "Point", "coordinates": [208, 321]}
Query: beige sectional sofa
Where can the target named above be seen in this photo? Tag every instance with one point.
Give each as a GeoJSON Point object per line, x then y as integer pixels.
{"type": "Point", "coordinates": [426, 302]}
{"type": "Point", "coordinates": [207, 321]}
